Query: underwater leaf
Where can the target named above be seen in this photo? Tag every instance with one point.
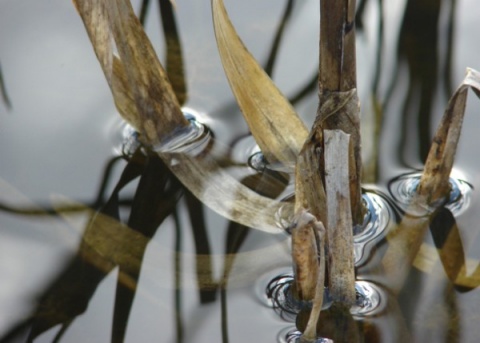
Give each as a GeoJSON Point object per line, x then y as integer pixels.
{"type": "Point", "coordinates": [276, 127]}
{"type": "Point", "coordinates": [107, 243]}
{"type": "Point", "coordinates": [144, 11]}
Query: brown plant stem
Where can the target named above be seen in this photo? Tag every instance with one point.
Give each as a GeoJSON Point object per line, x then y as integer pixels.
{"type": "Point", "coordinates": [337, 76]}
{"type": "Point", "coordinates": [337, 46]}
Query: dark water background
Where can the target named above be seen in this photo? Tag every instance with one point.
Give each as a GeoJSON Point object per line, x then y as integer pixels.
{"type": "Point", "coordinates": [62, 133]}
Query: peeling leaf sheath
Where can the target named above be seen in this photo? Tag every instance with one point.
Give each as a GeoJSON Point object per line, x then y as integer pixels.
{"type": "Point", "coordinates": [276, 127]}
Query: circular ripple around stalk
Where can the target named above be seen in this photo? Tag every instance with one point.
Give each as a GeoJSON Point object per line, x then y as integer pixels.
{"type": "Point", "coordinates": [192, 140]}
{"type": "Point", "coordinates": [124, 137]}
{"type": "Point", "coordinates": [370, 300]}
{"type": "Point", "coordinates": [292, 335]}
{"type": "Point", "coordinates": [274, 290]}
{"type": "Point", "coordinates": [403, 189]}
{"type": "Point", "coordinates": [376, 221]}
{"type": "Point", "coordinates": [280, 297]}
{"type": "Point", "coordinates": [265, 281]}
{"type": "Point", "coordinates": [258, 162]}
{"type": "Point", "coordinates": [284, 217]}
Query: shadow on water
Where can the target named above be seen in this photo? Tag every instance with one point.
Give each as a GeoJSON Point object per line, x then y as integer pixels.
{"type": "Point", "coordinates": [419, 50]}
{"type": "Point", "coordinates": [107, 244]}
{"type": "Point", "coordinates": [3, 91]}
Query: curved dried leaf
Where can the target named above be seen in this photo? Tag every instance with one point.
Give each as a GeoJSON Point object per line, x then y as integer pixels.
{"type": "Point", "coordinates": [434, 184]}
{"type": "Point", "coordinates": [406, 239]}
{"type": "Point", "coordinates": [276, 127]}
{"type": "Point", "coordinates": [224, 194]}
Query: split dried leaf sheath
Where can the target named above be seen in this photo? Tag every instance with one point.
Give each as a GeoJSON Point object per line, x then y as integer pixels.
{"type": "Point", "coordinates": [341, 261]}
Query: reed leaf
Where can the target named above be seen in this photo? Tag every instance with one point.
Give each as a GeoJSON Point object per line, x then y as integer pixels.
{"type": "Point", "coordinates": [276, 127]}
{"type": "Point", "coordinates": [406, 239]}
{"type": "Point", "coordinates": [137, 80]}
{"type": "Point", "coordinates": [434, 184]}
{"type": "Point", "coordinates": [155, 99]}
{"type": "Point", "coordinates": [144, 93]}
{"type": "Point", "coordinates": [95, 18]}
{"type": "Point", "coordinates": [225, 195]}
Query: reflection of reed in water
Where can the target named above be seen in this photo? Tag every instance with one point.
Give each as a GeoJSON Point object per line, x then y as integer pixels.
{"type": "Point", "coordinates": [426, 53]}
{"type": "Point", "coordinates": [3, 91]}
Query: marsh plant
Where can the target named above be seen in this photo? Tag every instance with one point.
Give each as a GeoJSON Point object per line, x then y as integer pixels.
{"type": "Point", "coordinates": [329, 218]}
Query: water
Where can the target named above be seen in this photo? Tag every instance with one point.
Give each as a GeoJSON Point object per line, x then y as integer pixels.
{"type": "Point", "coordinates": [61, 147]}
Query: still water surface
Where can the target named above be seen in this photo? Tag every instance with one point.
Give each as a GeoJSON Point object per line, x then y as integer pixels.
{"type": "Point", "coordinates": [62, 132]}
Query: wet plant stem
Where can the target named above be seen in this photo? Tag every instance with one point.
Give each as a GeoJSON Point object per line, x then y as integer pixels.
{"type": "Point", "coordinates": [337, 78]}
{"type": "Point", "coordinates": [328, 171]}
